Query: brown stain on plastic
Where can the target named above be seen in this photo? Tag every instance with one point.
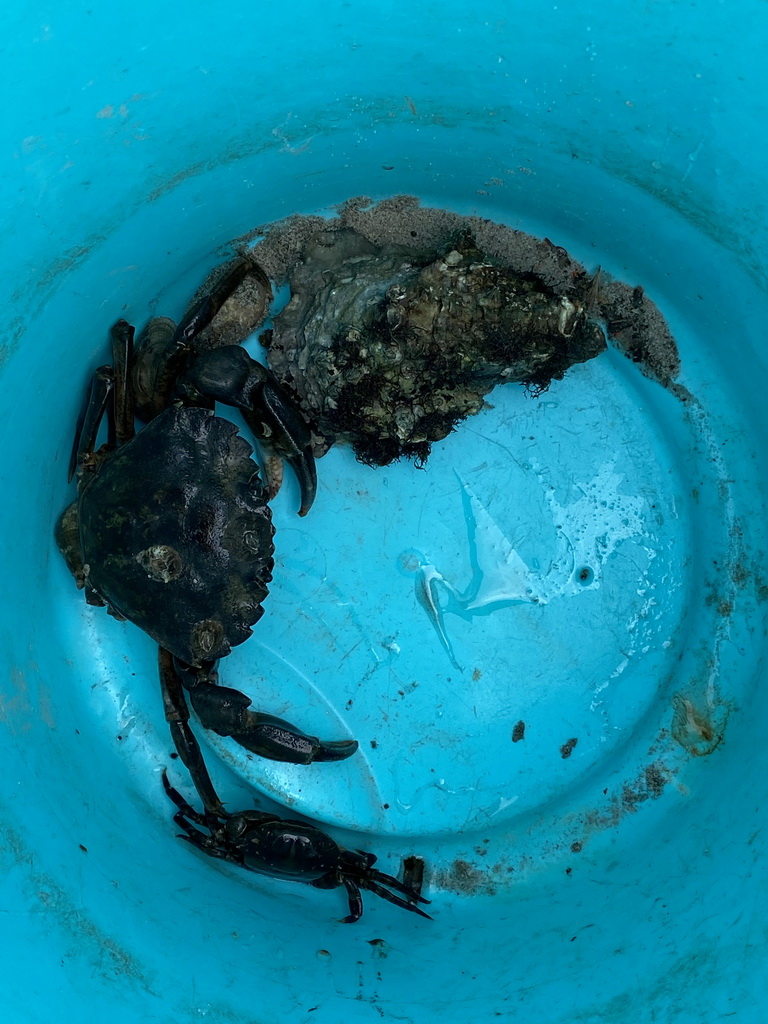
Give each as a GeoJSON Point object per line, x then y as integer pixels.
{"type": "Point", "coordinates": [19, 709]}
{"type": "Point", "coordinates": [110, 958]}
{"type": "Point", "coordinates": [698, 726]}
{"type": "Point", "coordinates": [464, 878]}
{"type": "Point", "coordinates": [45, 704]}
{"type": "Point", "coordinates": [16, 709]}
{"type": "Point", "coordinates": [648, 785]}
{"type": "Point", "coordinates": [568, 747]}
{"type": "Point", "coordinates": [678, 986]}
{"type": "Point", "coordinates": [69, 261]}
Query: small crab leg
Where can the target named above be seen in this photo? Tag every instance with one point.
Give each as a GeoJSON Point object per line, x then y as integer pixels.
{"type": "Point", "coordinates": [187, 817]}
{"type": "Point", "coordinates": [186, 810]}
{"type": "Point", "coordinates": [177, 717]}
{"type": "Point", "coordinates": [107, 382]}
{"type": "Point", "coordinates": [375, 882]}
{"type": "Point", "coordinates": [355, 901]}
{"type": "Point", "coordinates": [392, 897]}
{"type": "Point", "coordinates": [231, 376]}
{"type": "Point", "coordinates": [381, 878]}
{"type": "Point", "coordinates": [413, 874]}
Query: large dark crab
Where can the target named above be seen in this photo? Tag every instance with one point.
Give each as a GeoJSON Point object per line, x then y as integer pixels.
{"type": "Point", "coordinates": [295, 851]}
{"type": "Point", "coordinates": [171, 528]}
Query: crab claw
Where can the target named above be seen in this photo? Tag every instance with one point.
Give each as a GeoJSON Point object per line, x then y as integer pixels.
{"type": "Point", "coordinates": [231, 376]}
{"type": "Point", "coordinates": [225, 711]}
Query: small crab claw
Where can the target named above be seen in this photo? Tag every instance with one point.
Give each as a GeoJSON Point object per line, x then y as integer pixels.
{"type": "Point", "coordinates": [355, 871]}
{"type": "Point", "coordinates": [225, 711]}
{"type": "Point", "coordinates": [377, 883]}
{"type": "Point", "coordinates": [231, 376]}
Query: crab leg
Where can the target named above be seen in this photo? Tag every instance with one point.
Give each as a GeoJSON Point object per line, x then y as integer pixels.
{"type": "Point", "coordinates": [200, 316]}
{"type": "Point", "coordinates": [89, 420]}
{"type": "Point", "coordinates": [186, 816]}
{"type": "Point", "coordinates": [186, 810]}
{"type": "Point", "coordinates": [122, 361]}
{"type": "Point", "coordinates": [413, 874]}
{"type": "Point", "coordinates": [226, 712]}
{"type": "Point", "coordinates": [177, 717]}
{"type": "Point", "coordinates": [379, 878]}
{"type": "Point", "coordinates": [107, 381]}
{"type": "Point", "coordinates": [231, 376]}
{"type": "Point", "coordinates": [374, 887]}
{"type": "Point", "coordinates": [375, 882]}
{"type": "Point", "coordinates": [355, 899]}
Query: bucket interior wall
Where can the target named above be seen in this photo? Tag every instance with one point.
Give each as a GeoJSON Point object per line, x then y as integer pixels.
{"type": "Point", "coordinates": [609, 879]}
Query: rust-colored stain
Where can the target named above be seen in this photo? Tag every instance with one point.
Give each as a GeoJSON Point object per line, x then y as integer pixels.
{"type": "Point", "coordinates": [648, 785]}
{"type": "Point", "coordinates": [698, 727]}
{"type": "Point", "coordinates": [464, 878]}
{"type": "Point", "coordinates": [740, 574]}
{"type": "Point", "coordinates": [70, 260]}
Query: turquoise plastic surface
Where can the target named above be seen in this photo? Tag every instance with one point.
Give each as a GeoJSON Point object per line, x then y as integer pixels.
{"type": "Point", "coordinates": [618, 878]}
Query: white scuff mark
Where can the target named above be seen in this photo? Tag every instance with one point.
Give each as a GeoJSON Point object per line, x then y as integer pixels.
{"type": "Point", "coordinates": [427, 579]}
{"type": "Point", "coordinates": [504, 803]}
{"type": "Point", "coordinates": [692, 158]}
{"type": "Point", "coordinates": [702, 427]}
{"type": "Point", "coordinates": [587, 531]}
{"type": "Point", "coordinates": [123, 715]}
{"type": "Point", "coordinates": [291, 145]}
{"type": "Point", "coordinates": [616, 672]}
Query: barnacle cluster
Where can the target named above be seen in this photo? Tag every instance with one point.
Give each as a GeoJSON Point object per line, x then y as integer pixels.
{"type": "Point", "coordinates": [394, 347]}
{"type": "Point", "coordinates": [402, 319]}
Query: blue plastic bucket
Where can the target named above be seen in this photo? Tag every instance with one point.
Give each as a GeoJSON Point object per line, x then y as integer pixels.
{"type": "Point", "coordinates": [583, 774]}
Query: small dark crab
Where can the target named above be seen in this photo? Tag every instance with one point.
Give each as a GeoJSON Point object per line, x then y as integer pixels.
{"type": "Point", "coordinates": [292, 850]}
{"type": "Point", "coordinates": [171, 528]}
